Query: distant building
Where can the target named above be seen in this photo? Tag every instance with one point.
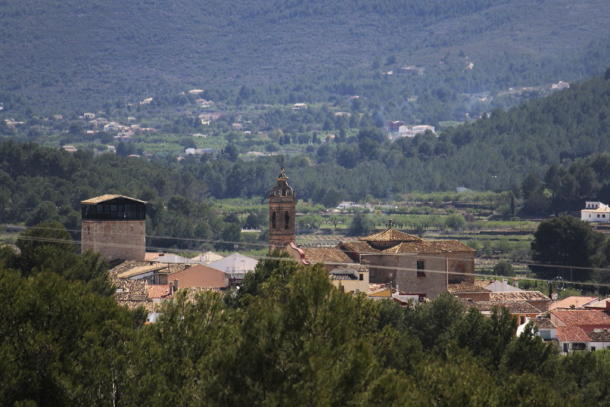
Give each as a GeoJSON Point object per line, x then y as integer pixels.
{"type": "Point", "coordinates": [560, 85]}
{"type": "Point", "coordinates": [421, 268]}
{"type": "Point", "coordinates": [282, 213]}
{"type": "Point", "coordinates": [394, 125]}
{"type": "Point", "coordinates": [412, 131]}
{"type": "Point", "coordinates": [351, 279]}
{"type": "Point", "coordinates": [115, 226]}
{"type": "Point", "coordinates": [200, 276]}
{"type": "Point", "coordinates": [595, 212]}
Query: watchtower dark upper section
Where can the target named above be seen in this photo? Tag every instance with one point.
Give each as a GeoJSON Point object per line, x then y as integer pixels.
{"type": "Point", "coordinates": [113, 207]}
{"type": "Point", "coordinates": [282, 189]}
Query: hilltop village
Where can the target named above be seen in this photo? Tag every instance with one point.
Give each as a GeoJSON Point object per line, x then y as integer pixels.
{"type": "Point", "coordinates": [390, 265]}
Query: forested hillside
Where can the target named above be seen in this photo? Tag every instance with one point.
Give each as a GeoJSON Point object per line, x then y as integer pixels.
{"type": "Point", "coordinates": [57, 55]}
{"type": "Point", "coordinates": [551, 150]}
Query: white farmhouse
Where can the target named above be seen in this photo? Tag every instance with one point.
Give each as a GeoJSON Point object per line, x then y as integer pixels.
{"type": "Point", "coordinates": [595, 212]}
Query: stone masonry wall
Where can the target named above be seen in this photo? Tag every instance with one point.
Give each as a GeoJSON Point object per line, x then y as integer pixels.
{"type": "Point", "coordinates": [125, 240]}
{"type": "Point", "coordinates": [434, 281]}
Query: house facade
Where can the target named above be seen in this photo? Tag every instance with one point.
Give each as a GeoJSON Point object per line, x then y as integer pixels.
{"type": "Point", "coordinates": [595, 212]}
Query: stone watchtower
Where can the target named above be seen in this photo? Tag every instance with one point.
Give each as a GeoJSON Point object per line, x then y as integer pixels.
{"type": "Point", "coordinates": [282, 211]}
{"type": "Point", "coordinates": [115, 226]}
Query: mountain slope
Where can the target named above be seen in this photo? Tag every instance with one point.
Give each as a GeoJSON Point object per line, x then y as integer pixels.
{"type": "Point", "coordinates": [67, 52]}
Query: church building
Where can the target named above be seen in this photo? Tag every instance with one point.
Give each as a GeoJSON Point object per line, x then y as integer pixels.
{"type": "Point", "coordinates": [418, 267]}
{"type": "Point", "coordinates": [282, 213]}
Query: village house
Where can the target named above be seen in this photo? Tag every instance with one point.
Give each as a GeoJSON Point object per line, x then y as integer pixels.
{"type": "Point", "coordinates": [595, 212]}
{"type": "Point", "coordinates": [521, 310]}
{"type": "Point", "coordinates": [587, 320]}
{"type": "Point", "coordinates": [470, 291]}
{"type": "Point", "coordinates": [354, 279]}
{"type": "Point", "coordinates": [201, 277]}
{"type": "Point", "coordinates": [534, 298]}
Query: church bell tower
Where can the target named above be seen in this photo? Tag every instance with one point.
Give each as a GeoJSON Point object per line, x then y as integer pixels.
{"type": "Point", "coordinates": [282, 211]}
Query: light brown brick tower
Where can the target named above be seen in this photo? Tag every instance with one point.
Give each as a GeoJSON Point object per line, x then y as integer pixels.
{"type": "Point", "coordinates": [282, 211]}
{"type": "Point", "coordinates": [115, 226]}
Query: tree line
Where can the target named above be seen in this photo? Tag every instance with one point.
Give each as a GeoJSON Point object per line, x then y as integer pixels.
{"type": "Point", "coordinates": [287, 337]}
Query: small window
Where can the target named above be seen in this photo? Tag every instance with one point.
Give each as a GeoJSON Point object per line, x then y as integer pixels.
{"type": "Point", "coordinates": [598, 215]}
{"type": "Point", "coordinates": [592, 348]}
{"type": "Point", "coordinates": [361, 277]}
{"type": "Point", "coordinates": [273, 220]}
{"type": "Point", "coordinates": [420, 268]}
{"type": "Point", "coordinates": [286, 220]}
{"type": "Point", "coordinates": [579, 346]}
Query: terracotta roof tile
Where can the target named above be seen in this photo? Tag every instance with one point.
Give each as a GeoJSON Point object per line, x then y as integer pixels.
{"type": "Point", "coordinates": [599, 336]}
{"type": "Point", "coordinates": [390, 235]}
{"type": "Point", "coordinates": [601, 304]}
{"type": "Point", "coordinates": [515, 307]}
{"type": "Point", "coordinates": [158, 291]}
{"type": "Point", "coordinates": [359, 247]}
{"type": "Point", "coordinates": [519, 296]}
{"type": "Point", "coordinates": [422, 247]}
{"type": "Point", "coordinates": [465, 287]}
{"type": "Point", "coordinates": [571, 334]}
{"type": "Point", "coordinates": [574, 301]}
{"type": "Point", "coordinates": [544, 323]}
{"type": "Point", "coordinates": [325, 254]}
{"type": "Point", "coordinates": [430, 247]}
{"type": "Point", "coordinates": [582, 317]}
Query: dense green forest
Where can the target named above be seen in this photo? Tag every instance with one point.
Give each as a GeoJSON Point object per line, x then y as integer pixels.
{"type": "Point", "coordinates": [288, 337]}
{"type": "Point", "coordinates": [57, 56]}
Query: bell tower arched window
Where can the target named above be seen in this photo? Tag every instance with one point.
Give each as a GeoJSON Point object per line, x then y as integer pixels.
{"type": "Point", "coordinates": [273, 220]}
{"type": "Point", "coordinates": [286, 220]}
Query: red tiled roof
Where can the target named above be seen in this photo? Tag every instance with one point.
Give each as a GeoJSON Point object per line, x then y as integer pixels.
{"type": "Point", "coordinates": [359, 247]}
{"type": "Point", "coordinates": [422, 247]}
{"type": "Point", "coordinates": [158, 291]}
{"type": "Point", "coordinates": [515, 307]}
{"type": "Point", "coordinates": [519, 296]}
{"type": "Point", "coordinates": [544, 323]}
{"type": "Point", "coordinates": [577, 302]}
{"type": "Point", "coordinates": [571, 334]}
{"type": "Point", "coordinates": [465, 287]}
{"type": "Point", "coordinates": [430, 247]}
{"type": "Point", "coordinates": [582, 317]}
{"type": "Point", "coordinates": [599, 336]}
{"type": "Point", "coordinates": [390, 235]}
{"type": "Point", "coordinates": [325, 254]}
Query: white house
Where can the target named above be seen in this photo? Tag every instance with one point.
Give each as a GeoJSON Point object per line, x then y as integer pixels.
{"type": "Point", "coordinates": [595, 212]}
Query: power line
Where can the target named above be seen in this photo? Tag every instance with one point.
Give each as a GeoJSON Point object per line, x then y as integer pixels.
{"type": "Point", "coordinates": [381, 267]}
{"type": "Point", "coordinates": [265, 245]}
